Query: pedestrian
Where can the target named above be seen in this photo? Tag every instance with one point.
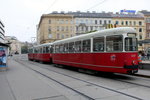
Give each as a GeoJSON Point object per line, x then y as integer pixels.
{"type": "Point", "coordinates": [143, 56]}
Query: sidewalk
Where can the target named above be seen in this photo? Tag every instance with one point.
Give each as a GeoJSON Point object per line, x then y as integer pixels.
{"type": "Point", "coordinates": [20, 83]}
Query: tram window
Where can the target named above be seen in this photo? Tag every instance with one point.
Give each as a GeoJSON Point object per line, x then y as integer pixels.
{"type": "Point", "coordinates": [77, 46]}
{"type": "Point", "coordinates": [41, 50]}
{"type": "Point", "coordinates": [44, 50]}
{"type": "Point", "coordinates": [130, 44]}
{"type": "Point", "coordinates": [114, 43]}
{"type": "Point", "coordinates": [56, 48]}
{"type": "Point", "coordinates": [71, 47]}
{"type": "Point", "coordinates": [86, 47]}
{"type": "Point", "coordinates": [65, 48]}
{"type": "Point", "coordinates": [35, 50]}
{"type": "Point", "coordinates": [98, 44]}
{"type": "Point", "coordinates": [51, 49]}
{"type": "Point", "coordinates": [61, 48]}
{"type": "Point", "coordinates": [47, 49]}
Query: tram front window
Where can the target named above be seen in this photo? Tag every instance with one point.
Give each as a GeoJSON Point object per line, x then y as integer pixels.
{"type": "Point", "coordinates": [130, 44]}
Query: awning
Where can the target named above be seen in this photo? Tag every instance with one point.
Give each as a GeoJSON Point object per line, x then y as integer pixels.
{"type": "Point", "coordinates": [4, 44]}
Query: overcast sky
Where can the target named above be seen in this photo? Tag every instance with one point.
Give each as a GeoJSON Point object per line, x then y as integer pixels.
{"type": "Point", "coordinates": [20, 17]}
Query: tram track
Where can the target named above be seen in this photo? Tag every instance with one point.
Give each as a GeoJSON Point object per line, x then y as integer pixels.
{"type": "Point", "coordinates": [133, 83]}
{"type": "Point", "coordinates": [97, 85]}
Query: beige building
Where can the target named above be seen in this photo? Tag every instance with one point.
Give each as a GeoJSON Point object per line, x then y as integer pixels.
{"type": "Point", "coordinates": [15, 45]}
{"type": "Point", "coordinates": [131, 20]}
{"type": "Point", "coordinates": [53, 27]}
{"type": "Point", "coordinates": [146, 42]}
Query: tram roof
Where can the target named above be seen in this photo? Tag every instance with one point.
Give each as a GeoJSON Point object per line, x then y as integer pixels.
{"type": "Point", "coordinates": [45, 44]}
{"type": "Point", "coordinates": [106, 32]}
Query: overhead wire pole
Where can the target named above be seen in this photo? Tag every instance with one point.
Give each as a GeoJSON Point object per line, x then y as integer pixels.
{"type": "Point", "coordinates": [96, 5]}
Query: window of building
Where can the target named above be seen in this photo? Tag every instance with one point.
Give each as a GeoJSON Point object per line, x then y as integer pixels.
{"type": "Point", "coordinates": [77, 21]}
{"type": "Point", "coordinates": [66, 28]}
{"type": "Point", "coordinates": [126, 22]}
{"type": "Point", "coordinates": [91, 28]}
{"type": "Point", "coordinates": [58, 36]}
{"type": "Point", "coordinates": [49, 21]}
{"type": "Point", "coordinates": [100, 22]}
{"type": "Point", "coordinates": [62, 36]}
{"type": "Point", "coordinates": [86, 21]}
{"type": "Point", "coordinates": [49, 36]}
{"type": "Point", "coordinates": [86, 28]}
{"type": "Point", "coordinates": [140, 23]}
{"type": "Point", "coordinates": [114, 43]}
{"type": "Point", "coordinates": [140, 36]}
{"type": "Point", "coordinates": [95, 21]}
{"type": "Point", "coordinates": [66, 21]}
{"type": "Point", "coordinates": [98, 44]}
{"type": "Point", "coordinates": [109, 21]}
{"type": "Point", "coordinates": [77, 28]}
{"type": "Point", "coordinates": [49, 30]}
{"type": "Point", "coordinates": [86, 45]}
{"type": "Point", "coordinates": [140, 29]}
{"type": "Point", "coordinates": [91, 21]}
{"type": "Point", "coordinates": [105, 22]}
{"type": "Point", "coordinates": [122, 23]}
{"type": "Point", "coordinates": [134, 22]}
{"type": "Point", "coordinates": [130, 22]}
{"type": "Point", "coordinates": [57, 28]}
{"type": "Point", "coordinates": [117, 22]}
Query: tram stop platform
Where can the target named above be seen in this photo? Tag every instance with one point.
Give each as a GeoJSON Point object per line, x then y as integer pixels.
{"type": "Point", "coordinates": [20, 83]}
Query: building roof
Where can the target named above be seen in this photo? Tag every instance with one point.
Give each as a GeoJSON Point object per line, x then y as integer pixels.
{"type": "Point", "coordinates": [127, 16]}
{"type": "Point", "coordinates": [4, 44]}
{"type": "Point", "coordinates": [145, 12]}
{"type": "Point", "coordinates": [86, 14]}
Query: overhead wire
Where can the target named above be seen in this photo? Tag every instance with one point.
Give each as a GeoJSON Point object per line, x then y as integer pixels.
{"type": "Point", "coordinates": [96, 5]}
{"type": "Point", "coordinates": [50, 6]}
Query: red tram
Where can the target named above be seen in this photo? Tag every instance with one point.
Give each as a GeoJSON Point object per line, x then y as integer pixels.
{"type": "Point", "coordinates": [42, 53]}
{"type": "Point", "coordinates": [110, 50]}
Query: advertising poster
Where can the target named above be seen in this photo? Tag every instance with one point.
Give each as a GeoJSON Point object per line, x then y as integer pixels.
{"type": "Point", "coordinates": [3, 57]}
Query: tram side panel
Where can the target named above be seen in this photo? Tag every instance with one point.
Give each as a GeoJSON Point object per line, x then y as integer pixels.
{"type": "Point", "coordinates": [108, 62]}
{"type": "Point", "coordinates": [30, 56]}
{"type": "Point", "coordinates": [46, 57]}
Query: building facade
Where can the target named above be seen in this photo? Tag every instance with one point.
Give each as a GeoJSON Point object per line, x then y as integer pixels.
{"type": "Point", "coordinates": [86, 22]}
{"type": "Point", "coordinates": [54, 27]}
{"type": "Point", "coordinates": [146, 15]}
{"type": "Point", "coordinates": [15, 45]}
{"type": "Point", "coordinates": [131, 20]}
{"type": "Point", "coordinates": [2, 32]}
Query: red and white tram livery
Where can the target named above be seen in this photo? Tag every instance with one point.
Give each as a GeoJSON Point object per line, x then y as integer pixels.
{"type": "Point", "coordinates": [110, 50]}
{"type": "Point", "coordinates": [42, 53]}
